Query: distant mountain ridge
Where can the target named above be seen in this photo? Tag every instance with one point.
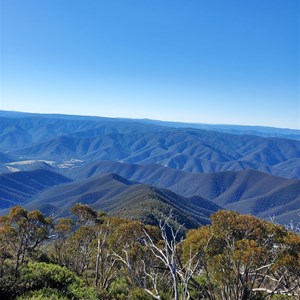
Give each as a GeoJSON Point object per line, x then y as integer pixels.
{"type": "Point", "coordinates": [192, 150]}
{"type": "Point", "coordinates": [121, 197]}
{"type": "Point", "coordinates": [52, 161]}
{"type": "Point", "coordinates": [5, 158]}
{"type": "Point", "coordinates": [17, 187]}
{"type": "Point", "coordinates": [263, 131]}
{"type": "Point", "coordinates": [247, 191]}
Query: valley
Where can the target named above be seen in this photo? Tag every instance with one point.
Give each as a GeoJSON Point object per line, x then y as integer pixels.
{"type": "Point", "coordinates": [141, 169]}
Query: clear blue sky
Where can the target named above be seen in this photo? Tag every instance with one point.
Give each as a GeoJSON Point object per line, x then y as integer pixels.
{"type": "Point", "coordinates": [206, 61]}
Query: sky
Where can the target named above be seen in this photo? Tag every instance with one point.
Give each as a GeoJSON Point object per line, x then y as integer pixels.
{"type": "Point", "coordinates": [201, 61]}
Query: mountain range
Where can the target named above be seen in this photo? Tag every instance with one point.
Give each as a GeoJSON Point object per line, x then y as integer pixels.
{"type": "Point", "coordinates": [17, 187]}
{"type": "Point", "coordinates": [188, 149]}
{"type": "Point", "coordinates": [144, 168]}
{"type": "Point", "coordinates": [260, 193]}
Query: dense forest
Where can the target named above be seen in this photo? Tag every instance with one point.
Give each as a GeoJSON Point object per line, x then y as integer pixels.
{"type": "Point", "coordinates": [95, 256]}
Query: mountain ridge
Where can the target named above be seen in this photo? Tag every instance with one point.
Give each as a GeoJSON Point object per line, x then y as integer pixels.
{"type": "Point", "coordinates": [226, 189]}
{"type": "Point", "coordinates": [259, 130]}
{"type": "Point", "coordinates": [119, 196]}
{"type": "Point", "coordinates": [193, 150]}
{"type": "Point", "coordinates": [17, 187]}
{"type": "Point", "coordinates": [248, 173]}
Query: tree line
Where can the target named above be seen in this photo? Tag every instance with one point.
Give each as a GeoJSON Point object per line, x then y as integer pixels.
{"type": "Point", "coordinates": [97, 256]}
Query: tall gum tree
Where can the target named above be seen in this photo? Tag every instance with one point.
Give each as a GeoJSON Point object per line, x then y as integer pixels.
{"type": "Point", "coordinates": [243, 256]}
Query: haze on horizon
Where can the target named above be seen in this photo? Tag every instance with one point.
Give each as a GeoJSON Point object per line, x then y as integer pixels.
{"type": "Point", "coordinates": [217, 62]}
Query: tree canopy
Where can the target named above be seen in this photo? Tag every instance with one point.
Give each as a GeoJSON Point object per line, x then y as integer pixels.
{"type": "Point", "coordinates": [95, 256]}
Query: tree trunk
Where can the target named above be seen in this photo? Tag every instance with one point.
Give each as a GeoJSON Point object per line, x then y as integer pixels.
{"type": "Point", "coordinates": [175, 284]}
{"type": "Point", "coordinates": [98, 263]}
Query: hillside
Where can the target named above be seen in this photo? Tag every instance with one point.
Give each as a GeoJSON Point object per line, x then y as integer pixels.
{"type": "Point", "coordinates": [131, 141]}
{"type": "Point", "coordinates": [257, 174]}
{"type": "Point", "coordinates": [247, 191]}
{"type": "Point", "coordinates": [17, 187]}
{"type": "Point", "coordinates": [5, 158]}
{"type": "Point", "coordinates": [121, 197]}
{"type": "Point", "coordinates": [262, 131]}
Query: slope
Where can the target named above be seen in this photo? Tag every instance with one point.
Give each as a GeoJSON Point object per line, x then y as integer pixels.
{"type": "Point", "coordinates": [228, 128]}
{"type": "Point", "coordinates": [132, 141]}
{"type": "Point", "coordinates": [121, 197]}
{"type": "Point", "coordinates": [246, 191]}
{"type": "Point", "coordinates": [17, 187]}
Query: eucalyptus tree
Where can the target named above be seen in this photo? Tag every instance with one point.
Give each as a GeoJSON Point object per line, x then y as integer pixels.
{"type": "Point", "coordinates": [243, 256]}
{"type": "Point", "coordinates": [24, 231]}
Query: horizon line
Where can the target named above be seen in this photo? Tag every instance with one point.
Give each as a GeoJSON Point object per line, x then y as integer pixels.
{"type": "Point", "coordinates": [148, 119]}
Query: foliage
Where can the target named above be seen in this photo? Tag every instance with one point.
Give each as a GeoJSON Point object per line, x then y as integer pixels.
{"type": "Point", "coordinates": [43, 294]}
{"type": "Point", "coordinates": [237, 257]}
{"type": "Point", "coordinates": [244, 257]}
{"type": "Point", "coordinates": [41, 278]}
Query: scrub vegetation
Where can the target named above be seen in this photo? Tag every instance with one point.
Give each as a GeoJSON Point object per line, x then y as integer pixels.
{"type": "Point", "coordinates": [96, 256]}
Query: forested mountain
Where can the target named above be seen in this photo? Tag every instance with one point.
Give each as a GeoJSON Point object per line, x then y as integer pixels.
{"type": "Point", "coordinates": [41, 154]}
{"type": "Point", "coordinates": [17, 187]}
{"type": "Point", "coordinates": [4, 158]}
{"type": "Point", "coordinates": [234, 129]}
{"type": "Point", "coordinates": [121, 197]}
{"type": "Point", "coordinates": [192, 150]}
{"type": "Point", "coordinates": [247, 191]}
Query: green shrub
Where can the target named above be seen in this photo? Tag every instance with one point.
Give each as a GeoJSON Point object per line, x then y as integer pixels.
{"type": "Point", "coordinates": [43, 294]}
{"type": "Point", "coordinates": [139, 294]}
{"type": "Point", "coordinates": [120, 289]}
{"type": "Point", "coordinates": [42, 280]}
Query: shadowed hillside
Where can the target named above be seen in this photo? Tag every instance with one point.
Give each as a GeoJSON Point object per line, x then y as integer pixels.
{"type": "Point", "coordinates": [132, 141]}
{"type": "Point", "coordinates": [17, 187]}
{"type": "Point", "coordinates": [234, 129]}
{"type": "Point", "coordinates": [246, 191]}
{"type": "Point", "coordinates": [247, 173]}
{"type": "Point", "coordinates": [121, 197]}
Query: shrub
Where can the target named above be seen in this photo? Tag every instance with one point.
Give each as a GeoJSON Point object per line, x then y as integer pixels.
{"type": "Point", "coordinates": [42, 280]}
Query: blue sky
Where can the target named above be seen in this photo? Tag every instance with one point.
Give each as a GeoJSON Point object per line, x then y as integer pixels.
{"type": "Point", "coordinates": [206, 61]}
